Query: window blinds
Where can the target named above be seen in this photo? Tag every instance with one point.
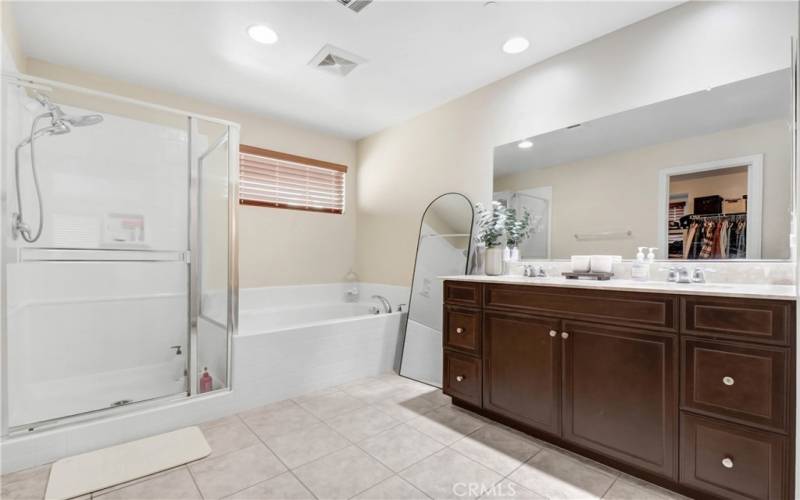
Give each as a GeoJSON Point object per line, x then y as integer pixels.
{"type": "Point", "coordinates": [272, 179]}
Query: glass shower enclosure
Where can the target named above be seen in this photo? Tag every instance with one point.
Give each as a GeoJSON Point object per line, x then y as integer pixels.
{"type": "Point", "coordinates": [119, 272]}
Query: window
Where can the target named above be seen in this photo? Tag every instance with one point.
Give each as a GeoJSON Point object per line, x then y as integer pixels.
{"type": "Point", "coordinates": [272, 179]}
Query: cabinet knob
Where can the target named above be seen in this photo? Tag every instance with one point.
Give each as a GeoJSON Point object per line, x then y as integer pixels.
{"type": "Point", "coordinates": [459, 330]}
{"type": "Point", "coordinates": [553, 333]}
{"type": "Point", "coordinates": [564, 335]}
{"type": "Point", "coordinates": [460, 378]}
{"type": "Point", "coordinates": [727, 380]}
{"type": "Point", "coordinates": [727, 462]}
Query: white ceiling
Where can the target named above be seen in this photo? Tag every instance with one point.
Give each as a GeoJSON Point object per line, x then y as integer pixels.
{"type": "Point", "coordinates": [739, 104]}
{"type": "Point", "coordinates": [419, 54]}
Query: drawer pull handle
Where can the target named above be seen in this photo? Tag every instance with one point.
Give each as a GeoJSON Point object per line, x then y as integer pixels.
{"type": "Point", "coordinates": [564, 335]}
{"type": "Point", "coordinates": [727, 462]}
{"type": "Point", "coordinates": [553, 333]}
{"type": "Point", "coordinates": [459, 330]}
{"type": "Point", "coordinates": [727, 380]}
{"type": "Point", "coordinates": [460, 378]}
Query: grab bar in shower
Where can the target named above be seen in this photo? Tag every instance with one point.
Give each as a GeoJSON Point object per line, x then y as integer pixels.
{"type": "Point", "coordinates": [99, 255]}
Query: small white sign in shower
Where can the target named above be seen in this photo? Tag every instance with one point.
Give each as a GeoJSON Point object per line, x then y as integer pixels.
{"type": "Point", "coordinates": [124, 229]}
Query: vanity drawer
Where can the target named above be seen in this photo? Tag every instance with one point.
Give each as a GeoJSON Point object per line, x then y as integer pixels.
{"type": "Point", "coordinates": [462, 329]}
{"type": "Point", "coordinates": [462, 377]}
{"type": "Point", "coordinates": [655, 311]}
{"type": "Point", "coordinates": [462, 293]}
{"type": "Point", "coordinates": [736, 381]}
{"type": "Point", "coordinates": [766, 321]}
{"type": "Point", "coordinates": [732, 461]}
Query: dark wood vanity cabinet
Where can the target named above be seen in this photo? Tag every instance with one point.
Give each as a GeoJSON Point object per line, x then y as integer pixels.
{"type": "Point", "coordinates": [621, 393]}
{"type": "Point", "coordinates": [523, 356]}
{"type": "Point", "coordinates": [693, 393]}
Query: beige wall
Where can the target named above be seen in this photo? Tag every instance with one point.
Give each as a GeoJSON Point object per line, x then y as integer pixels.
{"type": "Point", "coordinates": [683, 50]}
{"type": "Point", "coordinates": [277, 247]}
{"type": "Point", "coordinates": [13, 58]}
{"type": "Point", "coordinates": [620, 191]}
{"type": "Point", "coordinates": [730, 184]}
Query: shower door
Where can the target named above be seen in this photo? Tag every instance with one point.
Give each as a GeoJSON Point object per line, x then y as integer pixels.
{"type": "Point", "coordinates": [99, 309]}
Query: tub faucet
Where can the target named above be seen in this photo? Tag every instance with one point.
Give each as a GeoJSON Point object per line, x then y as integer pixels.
{"type": "Point", "coordinates": [387, 306]}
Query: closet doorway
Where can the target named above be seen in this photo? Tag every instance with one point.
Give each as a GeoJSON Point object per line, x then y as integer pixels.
{"type": "Point", "coordinates": [712, 210]}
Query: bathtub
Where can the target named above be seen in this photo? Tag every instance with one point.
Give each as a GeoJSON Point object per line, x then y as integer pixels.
{"type": "Point", "coordinates": [297, 339]}
{"type": "Point", "coordinates": [268, 320]}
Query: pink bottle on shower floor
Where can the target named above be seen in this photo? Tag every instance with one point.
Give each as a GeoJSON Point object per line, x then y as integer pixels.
{"type": "Point", "coordinates": [205, 381]}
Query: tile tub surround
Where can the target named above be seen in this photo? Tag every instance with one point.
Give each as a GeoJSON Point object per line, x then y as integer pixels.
{"type": "Point", "coordinates": [433, 450]}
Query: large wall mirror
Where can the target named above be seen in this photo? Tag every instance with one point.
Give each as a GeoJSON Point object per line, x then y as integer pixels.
{"type": "Point", "coordinates": [708, 175]}
{"type": "Point", "coordinates": [443, 249]}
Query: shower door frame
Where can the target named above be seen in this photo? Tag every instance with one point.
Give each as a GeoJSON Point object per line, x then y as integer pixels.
{"type": "Point", "coordinates": [12, 254]}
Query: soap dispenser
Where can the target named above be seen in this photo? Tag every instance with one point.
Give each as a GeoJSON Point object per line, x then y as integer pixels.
{"type": "Point", "coordinates": [640, 270]}
{"type": "Point", "coordinates": [651, 255]}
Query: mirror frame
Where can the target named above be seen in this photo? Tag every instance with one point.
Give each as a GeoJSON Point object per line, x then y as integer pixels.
{"type": "Point", "coordinates": [755, 201]}
{"type": "Point", "coordinates": [470, 246]}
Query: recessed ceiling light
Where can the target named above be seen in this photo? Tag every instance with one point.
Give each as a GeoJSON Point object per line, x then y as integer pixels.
{"type": "Point", "coordinates": [516, 45]}
{"type": "Point", "coordinates": [526, 144]}
{"type": "Point", "coordinates": [262, 34]}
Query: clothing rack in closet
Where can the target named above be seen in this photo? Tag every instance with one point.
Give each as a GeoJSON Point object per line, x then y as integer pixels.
{"type": "Point", "coordinates": [714, 236]}
{"type": "Point", "coordinates": [715, 216]}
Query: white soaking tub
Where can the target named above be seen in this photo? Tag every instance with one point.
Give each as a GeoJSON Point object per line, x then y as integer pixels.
{"type": "Point", "coordinates": [296, 339]}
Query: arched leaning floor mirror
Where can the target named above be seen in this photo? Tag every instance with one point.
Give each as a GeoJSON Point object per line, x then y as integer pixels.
{"type": "Point", "coordinates": [443, 249]}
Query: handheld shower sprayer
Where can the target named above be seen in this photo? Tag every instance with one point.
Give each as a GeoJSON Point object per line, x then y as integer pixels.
{"type": "Point", "coordinates": [60, 123]}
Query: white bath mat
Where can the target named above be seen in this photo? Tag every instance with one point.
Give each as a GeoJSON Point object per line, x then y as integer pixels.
{"type": "Point", "coordinates": [81, 474]}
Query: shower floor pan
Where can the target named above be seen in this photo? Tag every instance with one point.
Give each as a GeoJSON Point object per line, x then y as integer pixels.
{"type": "Point", "coordinates": [49, 400]}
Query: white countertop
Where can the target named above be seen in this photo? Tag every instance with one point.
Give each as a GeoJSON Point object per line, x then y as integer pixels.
{"type": "Point", "coordinates": [740, 290]}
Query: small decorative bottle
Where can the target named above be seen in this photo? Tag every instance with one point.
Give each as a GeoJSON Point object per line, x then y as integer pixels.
{"type": "Point", "coordinates": [206, 383]}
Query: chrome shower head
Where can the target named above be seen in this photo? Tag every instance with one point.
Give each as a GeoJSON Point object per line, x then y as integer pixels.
{"type": "Point", "coordinates": [58, 128]}
{"type": "Point", "coordinates": [82, 121]}
{"type": "Point", "coordinates": [59, 117]}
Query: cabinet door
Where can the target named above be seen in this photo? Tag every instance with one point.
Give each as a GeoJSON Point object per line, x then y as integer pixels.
{"type": "Point", "coordinates": [620, 394]}
{"type": "Point", "coordinates": [522, 369]}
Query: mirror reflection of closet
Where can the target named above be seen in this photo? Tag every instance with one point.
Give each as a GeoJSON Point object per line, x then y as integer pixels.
{"type": "Point", "coordinates": [714, 210]}
{"type": "Point", "coordinates": [443, 249]}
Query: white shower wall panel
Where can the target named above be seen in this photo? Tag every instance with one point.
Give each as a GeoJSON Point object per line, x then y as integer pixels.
{"type": "Point", "coordinates": [95, 176]}
{"type": "Point", "coordinates": [85, 335]}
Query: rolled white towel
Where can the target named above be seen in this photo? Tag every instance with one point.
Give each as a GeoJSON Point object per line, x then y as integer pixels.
{"type": "Point", "coordinates": [602, 263]}
{"type": "Point", "coordinates": [580, 263]}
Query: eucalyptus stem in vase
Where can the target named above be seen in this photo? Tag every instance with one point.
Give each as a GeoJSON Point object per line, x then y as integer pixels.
{"type": "Point", "coordinates": [490, 225]}
{"type": "Point", "coordinates": [518, 229]}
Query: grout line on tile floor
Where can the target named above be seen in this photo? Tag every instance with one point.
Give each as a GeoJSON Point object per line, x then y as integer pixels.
{"type": "Point", "coordinates": [194, 480]}
{"type": "Point", "coordinates": [288, 469]}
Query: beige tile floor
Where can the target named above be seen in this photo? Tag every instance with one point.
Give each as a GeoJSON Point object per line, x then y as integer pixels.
{"type": "Point", "coordinates": [384, 437]}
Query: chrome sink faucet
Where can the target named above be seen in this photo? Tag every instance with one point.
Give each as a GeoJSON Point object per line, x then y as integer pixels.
{"type": "Point", "coordinates": [677, 274]}
{"type": "Point", "coordinates": [534, 272]}
{"type": "Point", "coordinates": [699, 274]}
{"type": "Point", "coordinates": [680, 274]}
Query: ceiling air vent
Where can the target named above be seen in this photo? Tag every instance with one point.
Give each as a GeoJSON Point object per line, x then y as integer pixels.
{"type": "Point", "coordinates": [335, 60]}
{"type": "Point", "coordinates": [355, 5]}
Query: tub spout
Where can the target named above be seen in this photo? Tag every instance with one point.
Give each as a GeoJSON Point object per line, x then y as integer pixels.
{"type": "Point", "coordinates": [387, 306]}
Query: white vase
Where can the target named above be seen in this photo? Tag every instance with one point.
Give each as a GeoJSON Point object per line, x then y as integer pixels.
{"type": "Point", "coordinates": [493, 265]}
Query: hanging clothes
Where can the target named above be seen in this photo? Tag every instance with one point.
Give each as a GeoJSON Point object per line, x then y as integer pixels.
{"type": "Point", "coordinates": [707, 249]}
{"type": "Point", "coordinates": [688, 239]}
{"type": "Point", "coordinates": [715, 237]}
{"type": "Point", "coordinates": [723, 239]}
